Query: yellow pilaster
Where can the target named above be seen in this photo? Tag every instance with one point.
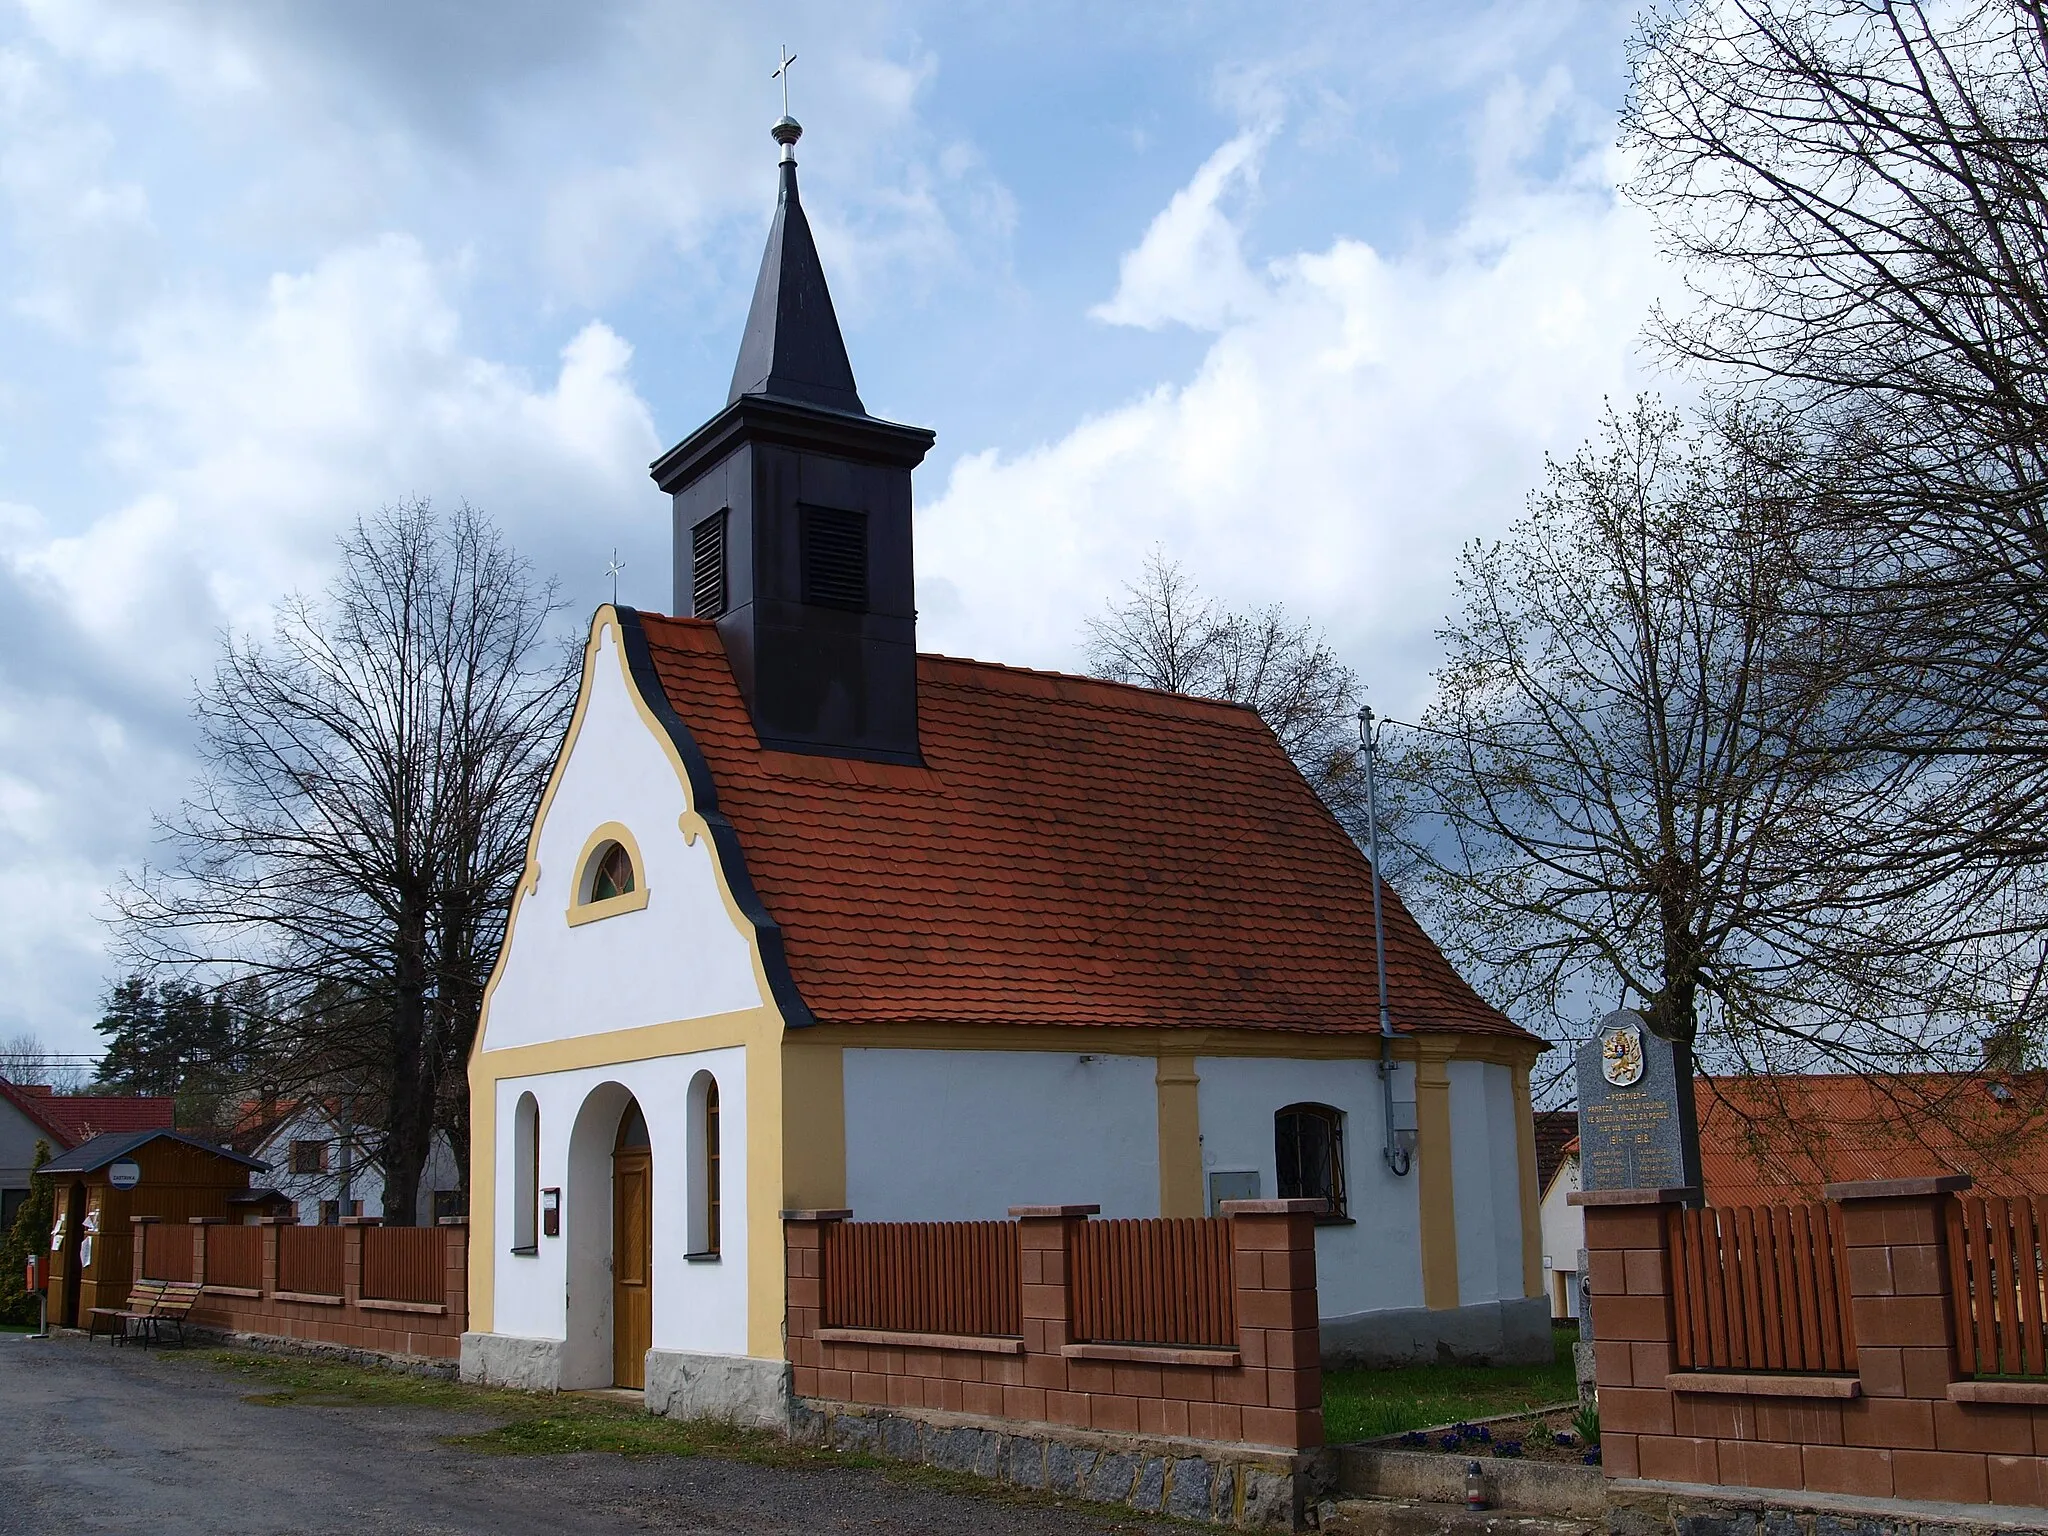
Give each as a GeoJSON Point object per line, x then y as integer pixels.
{"type": "Point", "coordinates": [1532, 1197]}
{"type": "Point", "coordinates": [1180, 1137]}
{"type": "Point", "coordinates": [813, 1124]}
{"type": "Point", "coordinates": [1434, 1188]}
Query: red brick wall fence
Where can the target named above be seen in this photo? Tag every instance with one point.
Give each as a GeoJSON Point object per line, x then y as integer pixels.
{"type": "Point", "coordinates": [1884, 1399]}
{"type": "Point", "coordinates": [361, 1286]}
{"type": "Point", "coordinates": [1261, 1385]}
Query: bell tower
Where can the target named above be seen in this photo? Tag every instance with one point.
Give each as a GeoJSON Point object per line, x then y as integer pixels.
{"type": "Point", "coordinates": [792, 519]}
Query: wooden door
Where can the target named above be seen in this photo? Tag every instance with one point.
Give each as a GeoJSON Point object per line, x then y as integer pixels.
{"type": "Point", "coordinates": [632, 1265]}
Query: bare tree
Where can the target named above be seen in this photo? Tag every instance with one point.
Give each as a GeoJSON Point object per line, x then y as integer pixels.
{"type": "Point", "coordinates": [372, 772]}
{"type": "Point", "coordinates": [1860, 192]}
{"type": "Point", "coordinates": [1167, 634]}
{"type": "Point", "coordinates": [1627, 787]}
{"type": "Point", "coordinates": [23, 1060]}
{"type": "Point", "coordinates": [26, 1060]}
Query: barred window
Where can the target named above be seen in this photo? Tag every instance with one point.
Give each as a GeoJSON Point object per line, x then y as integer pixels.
{"type": "Point", "coordinates": [1308, 1145]}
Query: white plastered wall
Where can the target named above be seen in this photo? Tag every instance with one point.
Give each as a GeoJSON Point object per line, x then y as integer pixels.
{"type": "Point", "coordinates": [965, 1135]}
{"type": "Point", "coordinates": [684, 956]}
{"type": "Point", "coordinates": [1486, 1173]}
{"type": "Point", "coordinates": [1564, 1233]}
{"type": "Point", "coordinates": [1376, 1262]}
{"type": "Point", "coordinates": [698, 1306]}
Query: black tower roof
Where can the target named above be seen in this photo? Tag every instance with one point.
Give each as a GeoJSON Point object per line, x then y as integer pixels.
{"type": "Point", "coordinates": [792, 520]}
{"type": "Point", "coordinates": [792, 348]}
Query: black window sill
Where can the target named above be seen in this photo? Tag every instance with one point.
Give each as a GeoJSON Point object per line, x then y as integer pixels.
{"type": "Point", "coordinates": [1336, 1221]}
{"type": "Point", "coordinates": [702, 1258]}
{"type": "Point", "coordinates": [527, 1252]}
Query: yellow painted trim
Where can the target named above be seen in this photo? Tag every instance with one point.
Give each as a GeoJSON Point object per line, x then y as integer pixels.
{"type": "Point", "coordinates": [759, 1030]}
{"type": "Point", "coordinates": [1436, 1194]}
{"type": "Point", "coordinates": [1140, 1041]}
{"type": "Point", "coordinates": [1532, 1198]}
{"type": "Point", "coordinates": [814, 1123]}
{"type": "Point", "coordinates": [611, 906]}
{"type": "Point", "coordinates": [1180, 1137]}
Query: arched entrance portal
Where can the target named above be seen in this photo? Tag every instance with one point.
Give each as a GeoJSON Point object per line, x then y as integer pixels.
{"type": "Point", "coordinates": [632, 1249]}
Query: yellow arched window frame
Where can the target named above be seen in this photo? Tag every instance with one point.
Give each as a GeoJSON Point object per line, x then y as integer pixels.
{"type": "Point", "coordinates": [597, 868]}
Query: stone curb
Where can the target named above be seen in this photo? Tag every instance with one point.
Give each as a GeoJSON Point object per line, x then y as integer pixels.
{"type": "Point", "coordinates": [1514, 1485]}
{"type": "Point", "coordinates": [1186, 1480]}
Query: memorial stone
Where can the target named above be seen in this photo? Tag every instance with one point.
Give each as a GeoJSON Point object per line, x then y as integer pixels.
{"type": "Point", "coordinates": [1637, 1129]}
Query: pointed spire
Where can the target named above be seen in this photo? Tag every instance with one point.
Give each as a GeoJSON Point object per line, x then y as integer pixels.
{"type": "Point", "coordinates": [792, 348]}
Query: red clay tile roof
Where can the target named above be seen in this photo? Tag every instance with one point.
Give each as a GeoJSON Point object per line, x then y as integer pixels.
{"type": "Point", "coordinates": [1074, 852]}
{"type": "Point", "coordinates": [1770, 1139]}
{"type": "Point", "coordinates": [77, 1118]}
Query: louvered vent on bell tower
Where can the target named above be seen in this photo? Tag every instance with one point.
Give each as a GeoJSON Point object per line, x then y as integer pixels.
{"type": "Point", "coordinates": [835, 558]}
{"type": "Point", "coordinates": [707, 567]}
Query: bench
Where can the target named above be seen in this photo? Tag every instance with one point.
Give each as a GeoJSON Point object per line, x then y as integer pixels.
{"type": "Point", "coordinates": [165, 1301]}
{"type": "Point", "coordinates": [141, 1297]}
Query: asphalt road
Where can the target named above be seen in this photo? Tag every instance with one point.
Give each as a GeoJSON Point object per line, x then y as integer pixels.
{"type": "Point", "coordinates": [98, 1439]}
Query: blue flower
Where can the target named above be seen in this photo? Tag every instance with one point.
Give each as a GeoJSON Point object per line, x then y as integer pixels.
{"type": "Point", "coordinates": [1563, 1437]}
{"type": "Point", "coordinates": [1449, 1442]}
{"type": "Point", "coordinates": [1508, 1448]}
{"type": "Point", "coordinates": [1592, 1457]}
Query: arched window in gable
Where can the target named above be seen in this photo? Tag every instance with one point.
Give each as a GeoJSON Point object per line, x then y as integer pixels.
{"type": "Point", "coordinates": [1308, 1147]}
{"type": "Point", "coordinates": [610, 877]}
{"type": "Point", "coordinates": [612, 873]}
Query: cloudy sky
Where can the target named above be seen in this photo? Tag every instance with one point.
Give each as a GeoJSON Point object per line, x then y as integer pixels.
{"type": "Point", "coordinates": [1300, 294]}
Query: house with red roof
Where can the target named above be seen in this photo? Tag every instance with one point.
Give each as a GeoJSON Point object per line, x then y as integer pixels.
{"type": "Point", "coordinates": [1783, 1138]}
{"type": "Point", "coordinates": [813, 920]}
{"type": "Point", "coordinates": [33, 1112]}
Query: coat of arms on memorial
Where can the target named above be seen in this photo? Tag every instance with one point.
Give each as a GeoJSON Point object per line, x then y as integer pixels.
{"type": "Point", "coordinates": [1621, 1055]}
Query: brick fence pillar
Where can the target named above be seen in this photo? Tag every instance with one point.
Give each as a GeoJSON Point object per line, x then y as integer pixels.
{"type": "Point", "coordinates": [352, 1257]}
{"type": "Point", "coordinates": [455, 1271]}
{"type": "Point", "coordinates": [1629, 1283]}
{"type": "Point", "coordinates": [1046, 1238]}
{"type": "Point", "coordinates": [1278, 1329]}
{"type": "Point", "coordinates": [1905, 1437]}
{"type": "Point", "coordinates": [270, 1225]}
{"type": "Point", "coordinates": [199, 1224]}
{"type": "Point", "coordinates": [803, 1248]}
{"type": "Point", "coordinates": [139, 1226]}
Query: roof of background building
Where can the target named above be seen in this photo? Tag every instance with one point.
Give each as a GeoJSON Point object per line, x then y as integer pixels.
{"type": "Point", "coordinates": [1073, 852]}
{"type": "Point", "coordinates": [1557, 1132]}
{"type": "Point", "coordinates": [71, 1118]}
{"type": "Point", "coordinates": [90, 1156]}
{"type": "Point", "coordinates": [1766, 1139]}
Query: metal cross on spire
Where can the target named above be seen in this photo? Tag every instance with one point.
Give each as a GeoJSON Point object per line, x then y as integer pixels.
{"type": "Point", "coordinates": [617, 565]}
{"type": "Point", "coordinates": [782, 74]}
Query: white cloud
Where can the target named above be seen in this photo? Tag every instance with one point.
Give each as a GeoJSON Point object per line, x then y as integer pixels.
{"type": "Point", "coordinates": [86, 239]}
{"type": "Point", "coordinates": [1358, 417]}
{"type": "Point", "coordinates": [1190, 267]}
{"type": "Point", "coordinates": [253, 433]}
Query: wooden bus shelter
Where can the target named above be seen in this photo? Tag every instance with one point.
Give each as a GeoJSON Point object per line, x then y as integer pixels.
{"type": "Point", "coordinates": [104, 1182]}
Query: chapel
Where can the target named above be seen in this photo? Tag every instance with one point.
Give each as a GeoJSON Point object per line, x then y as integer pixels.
{"type": "Point", "coordinates": [813, 920]}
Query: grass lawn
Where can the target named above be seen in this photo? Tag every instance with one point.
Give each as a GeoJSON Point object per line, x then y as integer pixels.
{"type": "Point", "coordinates": [1357, 1405]}
{"type": "Point", "coordinates": [1364, 1405]}
{"type": "Point", "coordinates": [548, 1424]}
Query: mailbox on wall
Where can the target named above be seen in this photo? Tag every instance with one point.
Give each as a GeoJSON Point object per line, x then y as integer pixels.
{"type": "Point", "coordinates": [551, 1213]}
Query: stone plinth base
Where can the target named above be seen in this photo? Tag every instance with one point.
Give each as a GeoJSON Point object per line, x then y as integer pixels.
{"type": "Point", "coordinates": [508, 1360]}
{"type": "Point", "coordinates": [735, 1389]}
{"type": "Point", "coordinates": [1237, 1485]}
